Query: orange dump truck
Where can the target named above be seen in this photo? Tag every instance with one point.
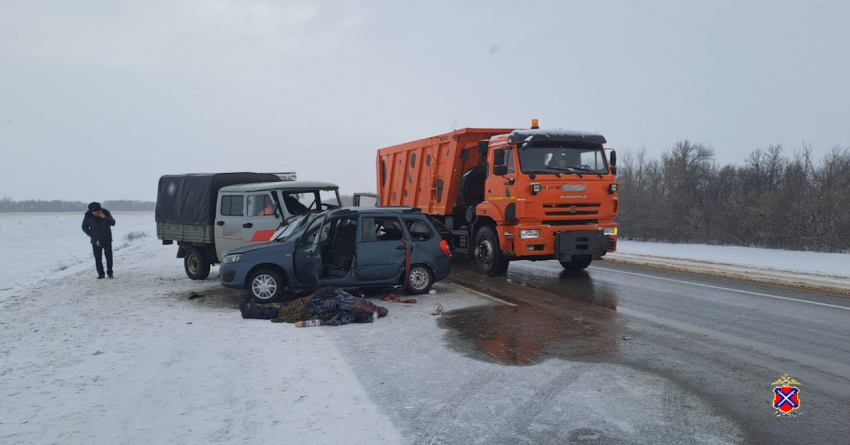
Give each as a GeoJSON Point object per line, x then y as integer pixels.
{"type": "Point", "coordinates": [510, 194]}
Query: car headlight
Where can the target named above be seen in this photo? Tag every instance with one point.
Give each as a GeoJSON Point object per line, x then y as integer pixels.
{"type": "Point", "coordinates": [524, 234]}
{"type": "Point", "coordinates": [232, 258]}
{"type": "Point", "coordinates": [609, 231]}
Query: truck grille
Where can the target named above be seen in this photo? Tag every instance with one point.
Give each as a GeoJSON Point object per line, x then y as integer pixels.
{"type": "Point", "coordinates": [572, 222]}
{"type": "Point", "coordinates": [571, 209]}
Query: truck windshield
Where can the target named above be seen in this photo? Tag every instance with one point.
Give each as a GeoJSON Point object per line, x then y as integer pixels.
{"type": "Point", "coordinates": [562, 157]}
{"type": "Point", "coordinates": [320, 199]}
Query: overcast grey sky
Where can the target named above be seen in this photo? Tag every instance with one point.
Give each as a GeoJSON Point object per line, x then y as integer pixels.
{"type": "Point", "coordinates": [99, 99]}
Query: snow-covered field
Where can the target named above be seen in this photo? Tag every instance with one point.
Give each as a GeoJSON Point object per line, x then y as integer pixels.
{"type": "Point", "coordinates": [88, 361]}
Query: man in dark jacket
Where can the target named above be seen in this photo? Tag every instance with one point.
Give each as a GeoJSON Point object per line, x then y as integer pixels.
{"type": "Point", "coordinates": [97, 224]}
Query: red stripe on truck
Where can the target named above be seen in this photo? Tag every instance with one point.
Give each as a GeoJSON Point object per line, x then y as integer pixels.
{"type": "Point", "coordinates": [263, 235]}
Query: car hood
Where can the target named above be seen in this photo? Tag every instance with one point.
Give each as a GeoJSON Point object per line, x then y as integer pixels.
{"type": "Point", "coordinates": [246, 249]}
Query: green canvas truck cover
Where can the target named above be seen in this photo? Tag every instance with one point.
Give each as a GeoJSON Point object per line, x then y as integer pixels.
{"type": "Point", "coordinates": [191, 198]}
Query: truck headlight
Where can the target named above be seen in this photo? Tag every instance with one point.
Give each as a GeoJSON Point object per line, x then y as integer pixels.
{"type": "Point", "coordinates": [232, 258]}
{"type": "Point", "coordinates": [613, 188]}
{"type": "Point", "coordinates": [525, 234]}
{"type": "Point", "coordinates": [609, 231]}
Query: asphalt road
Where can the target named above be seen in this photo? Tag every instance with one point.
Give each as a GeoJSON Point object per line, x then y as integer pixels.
{"type": "Point", "coordinates": [613, 354]}
{"type": "Point", "coordinates": [724, 341]}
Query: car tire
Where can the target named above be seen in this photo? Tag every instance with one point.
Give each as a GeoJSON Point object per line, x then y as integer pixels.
{"type": "Point", "coordinates": [579, 262]}
{"type": "Point", "coordinates": [265, 286]}
{"type": "Point", "coordinates": [488, 254]}
{"type": "Point", "coordinates": [419, 280]}
{"type": "Point", "coordinates": [196, 264]}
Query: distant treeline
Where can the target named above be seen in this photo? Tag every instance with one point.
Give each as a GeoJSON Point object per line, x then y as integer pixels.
{"type": "Point", "coordinates": [9, 205]}
{"type": "Point", "coordinates": [773, 200]}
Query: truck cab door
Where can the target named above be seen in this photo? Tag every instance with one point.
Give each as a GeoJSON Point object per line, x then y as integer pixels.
{"type": "Point", "coordinates": [307, 259]}
{"type": "Point", "coordinates": [500, 186]}
{"type": "Point", "coordinates": [230, 211]}
{"type": "Point", "coordinates": [261, 218]}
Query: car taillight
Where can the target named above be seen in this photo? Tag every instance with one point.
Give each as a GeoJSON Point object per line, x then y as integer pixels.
{"type": "Point", "coordinates": [445, 246]}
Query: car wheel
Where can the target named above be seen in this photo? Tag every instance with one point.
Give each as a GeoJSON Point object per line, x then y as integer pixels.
{"type": "Point", "coordinates": [265, 286]}
{"type": "Point", "coordinates": [419, 280]}
{"type": "Point", "coordinates": [488, 255]}
{"type": "Point", "coordinates": [579, 262]}
{"type": "Point", "coordinates": [196, 264]}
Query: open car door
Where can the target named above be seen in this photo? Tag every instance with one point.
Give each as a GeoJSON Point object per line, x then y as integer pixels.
{"type": "Point", "coordinates": [307, 261]}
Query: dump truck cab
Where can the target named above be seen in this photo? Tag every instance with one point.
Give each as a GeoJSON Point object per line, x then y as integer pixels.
{"type": "Point", "coordinates": [551, 194]}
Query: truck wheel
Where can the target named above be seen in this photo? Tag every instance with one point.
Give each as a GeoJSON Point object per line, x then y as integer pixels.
{"type": "Point", "coordinates": [419, 280]}
{"type": "Point", "coordinates": [265, 286]}
{"type": "Point", "coordinates": [196, 264]}
{"type": "Point", "coordinates": [488, 255]}
{"type": "Point", "coordinates": [579, 262]}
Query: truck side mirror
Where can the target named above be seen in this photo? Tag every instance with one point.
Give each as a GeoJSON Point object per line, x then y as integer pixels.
{"type": "Point", "coordinates": [613, 162]}
{"type": "Point", "coordinates": [500, 170]}
{"type": "Point", "coordinates": [498, 157]}
{"type": "Point", "coordinates": [483, 145]}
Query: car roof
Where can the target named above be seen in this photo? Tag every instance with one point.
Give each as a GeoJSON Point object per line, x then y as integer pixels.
{"type": "Point", "coordinates": [282, 185]}
{"type": "Point", "coordinates": [376, 211]}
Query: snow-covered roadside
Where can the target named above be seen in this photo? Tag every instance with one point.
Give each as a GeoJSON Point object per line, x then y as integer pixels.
{"type": "Point", "coordinates": [813, 271]}
{"type": "Point", "coordinates": [37, 245]}
{"type": "Point", "coordinates": [132, 360]}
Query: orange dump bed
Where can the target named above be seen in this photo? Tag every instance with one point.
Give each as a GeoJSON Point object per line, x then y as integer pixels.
{"type": "Point", "coordinates": [426, 173]}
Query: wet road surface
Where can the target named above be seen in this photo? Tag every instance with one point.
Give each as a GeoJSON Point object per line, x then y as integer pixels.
{"type": "Point", "coordinates": [722, 341]}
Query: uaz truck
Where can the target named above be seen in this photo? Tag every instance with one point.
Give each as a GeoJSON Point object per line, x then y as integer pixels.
{"type": "Point", "coordinates": [210, 214]}
{"type": "Point", "coordinates": [508, 195]}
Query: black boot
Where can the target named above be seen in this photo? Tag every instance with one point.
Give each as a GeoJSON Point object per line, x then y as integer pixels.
{"type": "Point", "coordinates": [244, 308]}
{"type": "Point", "coordinates": [250, 309]}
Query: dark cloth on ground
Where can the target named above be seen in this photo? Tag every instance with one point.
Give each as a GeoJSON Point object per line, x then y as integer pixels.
{"type": "Point", "coordinates": [337, 307]}
{"type": "Point", "coordinates": [296, 310]}
{"type": "Point", "coordinates": [333, 306]}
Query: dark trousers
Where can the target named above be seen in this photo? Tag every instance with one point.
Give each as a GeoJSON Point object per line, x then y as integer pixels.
{"type": "Point", "coordinates": [98, 253]}
{"type": "Point", "coordinates": [263, 313]}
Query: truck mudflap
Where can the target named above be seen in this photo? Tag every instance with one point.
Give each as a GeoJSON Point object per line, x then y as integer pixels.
{"type": "Point", "coordinates": [587, 242]}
